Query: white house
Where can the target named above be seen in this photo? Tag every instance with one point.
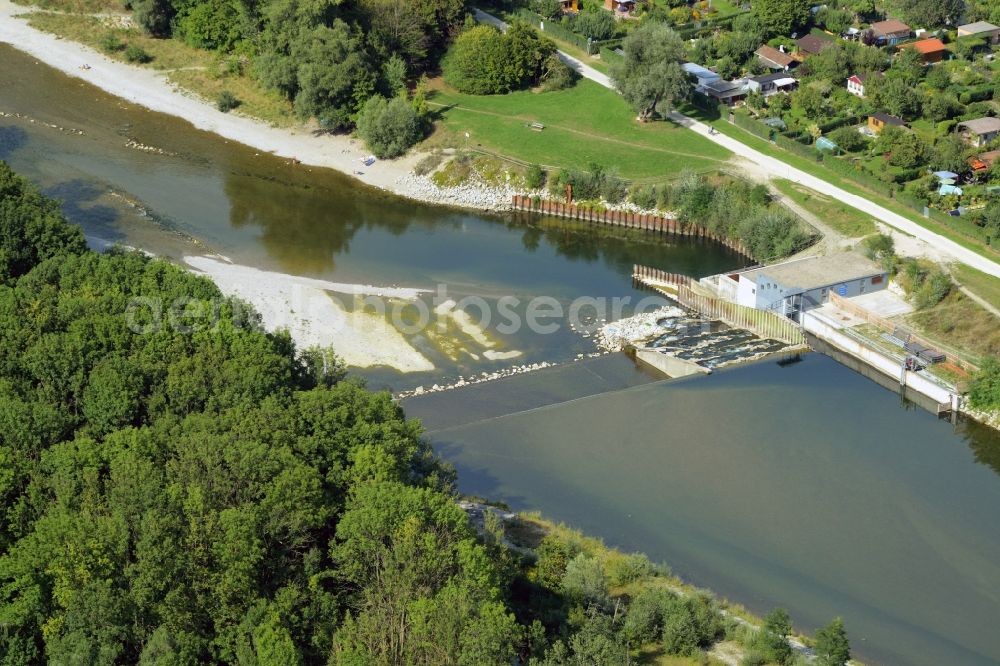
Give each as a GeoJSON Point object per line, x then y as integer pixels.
{"type": "Point", "coordinates": [794, 286]}
{"type": "Point", "coordinates": [856, 84]}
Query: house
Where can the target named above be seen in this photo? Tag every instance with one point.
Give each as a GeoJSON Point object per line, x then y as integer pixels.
{"type": "Point", "coordinates": [980, 131]}
{"type": "Point", "coordinates": [811, 45]}
{"type": "Point", "coordinates": [890, 32]}
{"type": "Point", "coordinates": [620, 7]}
{"type": "Point", "coordinates": [774, 58]}
{"type": "Point", "coordinates": [701, 75]}
{"type": "Point", "coordinates": [727, 92]}
{"type": "Point", "coordinates": [931, 50]}
{"type": "Point", "coordinates": [794, 286]}
{"type": "Point", "coordinates": [856, 83]}
{"type": "Point", "coordinates": [570, 6]}
{"type": "Point", "coordinates": [878, 121]}
{"type": "Point", "coordinates": [769, 84]}
{"type": "Point", "coordinates": [981, 29]}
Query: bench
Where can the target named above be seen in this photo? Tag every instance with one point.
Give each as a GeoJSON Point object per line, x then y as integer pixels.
{"type": "Point", "coordinates": [538, 127]}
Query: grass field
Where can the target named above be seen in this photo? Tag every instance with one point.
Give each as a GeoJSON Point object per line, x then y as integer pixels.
{"type": "Point", "coordinates": [985, 286]}
{"type": "Point", "coordinates": [848, 221]}
{"type": "Point", "coordinates": [584, 124]}
{"type": "Point", "coordinates": [196, 70]}
{"type": "Point", "coordinates": [962, 323]}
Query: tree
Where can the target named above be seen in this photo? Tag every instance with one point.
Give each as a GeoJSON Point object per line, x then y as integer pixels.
{"type": "Point", "coordinates": [984, 390]}
{"type": "Point", "coordinates": [894, 95]}
{"type": "Point", "coordinates": [832, 646]}
{"type": "Point", "coordinates": [951, 154]}
{"type": "Point", "coordinates": [584, 581]}
{"type": "Point", "coordinates": [848, 139]}
{"type": "Point", "coordinates": [596, 24]}
{"type": "Point", "coordinates": [929, 13]}
{"type": "Point", "coordinates": [781, 17]}
{"type": "Point", "coordinates": [389, 128]}
{"type": "Point", "coordinates": [484, 61]}
{"type": "Point", "coordinates": [880, 248]}
{"type": "Point", "coordinates": [153, 16]}
{"type": "Point", "coordinates": [333, 77]}
{"type": "Point", "coordinates": [777, 627]}
{"type": "Point", "coordinates": [650, 76]}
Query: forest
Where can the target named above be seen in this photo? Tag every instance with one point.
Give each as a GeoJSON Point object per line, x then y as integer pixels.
{"type": "Point", "coordinates": [179, 486]}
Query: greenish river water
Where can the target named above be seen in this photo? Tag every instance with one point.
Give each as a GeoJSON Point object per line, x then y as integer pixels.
{"type": "Point", "coordinates": [803, 485]}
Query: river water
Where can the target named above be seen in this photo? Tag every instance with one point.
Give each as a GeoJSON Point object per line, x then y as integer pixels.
{"type": "Point", "coordinates": [801, 484]}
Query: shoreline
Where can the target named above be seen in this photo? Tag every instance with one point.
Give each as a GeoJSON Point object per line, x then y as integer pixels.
{"type": "Point", "coordinates": [152, 90]}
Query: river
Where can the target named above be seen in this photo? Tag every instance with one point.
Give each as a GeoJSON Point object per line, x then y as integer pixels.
{"type": "Point", "coordinates": [801, 484]}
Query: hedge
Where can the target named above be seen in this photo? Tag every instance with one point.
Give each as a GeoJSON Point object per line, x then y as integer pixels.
{"type": "Point", "coordinates": [554, 28]}
{"type": "Point", "coordinates": [799, 149]}
{"type": "Point", "coordinates": [610, 56]}
{"type": "Point", "coordinates": [847, 169]}
{"type": "Point", "coordinates": [753, 126]}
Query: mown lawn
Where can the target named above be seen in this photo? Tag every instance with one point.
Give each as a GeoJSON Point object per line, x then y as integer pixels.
{"type": "Point", "coordinates": [848, 221]}
{"type": "Point", "coordinates": [584, 124]}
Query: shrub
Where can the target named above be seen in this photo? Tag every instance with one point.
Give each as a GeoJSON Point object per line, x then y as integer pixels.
{"type": "Point", "coordinates": [644, 196]}
{"type": "Point", "coordinates": [137, 54]}
{"type": "Point", "coordinates": [534, 177]}
{"type": "Point", "coordinates": [935, 287]}
{"type": "Point", "coordinates": [984, 391]}
{"type": "Point", "coordinates": [558, 75]}
{"type": "Point", "coordinates": [389, 128]}
{"type": "Point", "coordinates": [584, 581]}
{"type": "Point", "coordinates": [111, 43]}
{"type": "Point", "coordinates": [629, 568]}
{"type": "Point", "coordinates": [226, 101]}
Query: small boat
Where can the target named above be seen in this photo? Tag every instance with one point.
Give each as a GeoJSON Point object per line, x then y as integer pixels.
{"type": "Point", "coordinates": [368, 161]}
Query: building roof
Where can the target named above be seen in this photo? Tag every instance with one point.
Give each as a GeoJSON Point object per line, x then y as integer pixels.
{"type": "Point", "coordinates": [812, 43]}
{"type": "Point", "coordinates": [772, 54]}
{"type": "Point", "coordinates": [723, 88]}
{"type": "Point", "coordinates": [816, 272]}
{"type": "Point", "coordinates": [774, 78]}
{"type": "Point", "coordinates": [697, 70]}
{"type": "Point", "coordinates": [978, 27]}
{"type": "Point", "coordinates": [989, 156]}
{"type": "Point", "coordinates": [981, 125]}
{"type": "Point", "coordinates": [863, 76]}
{"type": "Point", "coordinates": [890, 27]}
{"type": "Point", "coordinates": [888, 120]}
{"type": "Point", "coordinates": [925, 46]}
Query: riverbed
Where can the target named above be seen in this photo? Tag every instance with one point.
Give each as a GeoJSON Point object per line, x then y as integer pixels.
{"type": "Point", "coordinates": [801, 484]}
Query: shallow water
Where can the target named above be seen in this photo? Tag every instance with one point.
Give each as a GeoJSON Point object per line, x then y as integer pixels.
{"type": "Point", "coordinates": [801, 485]}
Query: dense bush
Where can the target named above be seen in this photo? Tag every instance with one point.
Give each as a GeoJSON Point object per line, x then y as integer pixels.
{"type": "Point", "coordinates": [111, 43]}
{"type": "Point", "coordinates": [534, 177]}
{"type": "Point", "coordinates": [484, 61]}
{"type": "Point", "coordinates": [390, 127]}
{"type": "Point", "coordinates": [137, 54]}
{"type": "Point", "coordinates": [594, 184]}
{"type": "Point", "coordinates": [984, 390]}
{"type": "Point", "coordinates": [596, 24]}
{"type": "Point", "coordinates": [738, 210]}
{"type": "Point", "coordinates": [226, 101]}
